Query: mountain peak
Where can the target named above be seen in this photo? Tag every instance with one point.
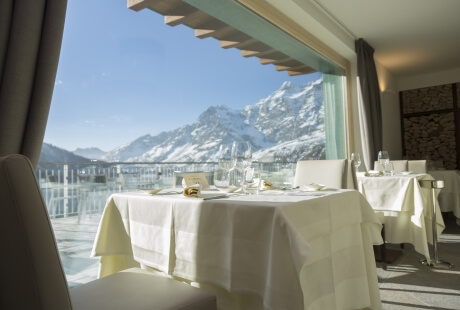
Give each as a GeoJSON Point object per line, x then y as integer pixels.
{"type": "Point", "coordinates": [288, 124]}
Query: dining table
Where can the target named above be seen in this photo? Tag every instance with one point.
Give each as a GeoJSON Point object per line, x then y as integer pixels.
{"type": "Point", "coordinates": [406, 206]}
{"type": "Point", "coordinates": [279, 249]}
{"type": "Point", "coordinates": [449, 197]}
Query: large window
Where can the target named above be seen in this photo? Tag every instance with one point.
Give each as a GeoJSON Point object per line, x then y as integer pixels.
{"type": "Point", "coordinates": [130, 88]}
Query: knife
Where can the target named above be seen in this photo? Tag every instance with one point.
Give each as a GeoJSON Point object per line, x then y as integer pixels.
{"type": "Point", "coordinates": [215, 197]}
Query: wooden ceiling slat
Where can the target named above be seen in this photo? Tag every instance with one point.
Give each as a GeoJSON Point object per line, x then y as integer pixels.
{"type": "Point", "coordinates": [265, 61]}
{"type": "Point", "coordinates": [295, 73]}
{"type": "Point", "coordinates": [213, 32]}
{"type": "Point", "coordinates": [160, 6]}
{"type": "Point", "coordinates": [301, 68]}
{"type": "Point", "coordinates": [177, 19]}
{"type": "Point", "coordinates": [236, 44]}
{"type": "Point", "coordinates": [258, 53]}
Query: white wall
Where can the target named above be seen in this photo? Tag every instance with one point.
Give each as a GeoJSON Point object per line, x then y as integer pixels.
{"type": "Point", "coordinates": [429, 79]}
{"type": "Point", "coordinates": [391, 115]}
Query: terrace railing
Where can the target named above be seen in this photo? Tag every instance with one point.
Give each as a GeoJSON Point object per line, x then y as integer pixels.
{"type": "Point", "coordinates": [82, 189]}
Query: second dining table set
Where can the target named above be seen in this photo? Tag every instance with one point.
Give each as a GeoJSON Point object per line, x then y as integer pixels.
{"type": "Point", "coordinates": [306, 245]}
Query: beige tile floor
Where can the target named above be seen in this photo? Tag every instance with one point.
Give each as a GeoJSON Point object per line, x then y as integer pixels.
{"type": "Point", "coordinates": [406, 284]}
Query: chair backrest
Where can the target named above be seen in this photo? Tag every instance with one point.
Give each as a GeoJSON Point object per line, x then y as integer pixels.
{"type": "Point", "coordinates": [337, 173]}
{"type": "Point", "coordinates": [417, 166]}
{"type": "Point", "coordinates": [31, 272]}
{"type": "Point", "coordinates": [398, 165]}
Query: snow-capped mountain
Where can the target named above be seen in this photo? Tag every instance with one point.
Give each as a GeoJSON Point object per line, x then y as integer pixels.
{"type": "Point", "coordinates": [287, 125]}
{"type": "Point", "coordinates": [91, 152]}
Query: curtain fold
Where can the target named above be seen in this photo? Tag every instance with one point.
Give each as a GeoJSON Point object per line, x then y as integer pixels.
{"type": "Point", "coordinates": [369, 103]}
{"type": "Point", "coordinates": [30, 43]}
{"type": "Point", "coordinates": [334, 117]}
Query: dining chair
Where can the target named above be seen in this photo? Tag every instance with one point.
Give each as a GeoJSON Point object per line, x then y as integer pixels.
{"type": "Point", "coordinates": [398, 165]}
{"type": "Point", "coordinates": [417, 166]}
{"type": "Point", "coordinates": [333, 173]}
{"type": "Point", "coordinates": [31, 271]}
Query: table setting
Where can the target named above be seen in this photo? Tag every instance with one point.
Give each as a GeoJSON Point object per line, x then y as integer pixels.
{"type": "Point", "coordinates": [404, 203]}
{"type": "Point", "coordinates": [257, 247]}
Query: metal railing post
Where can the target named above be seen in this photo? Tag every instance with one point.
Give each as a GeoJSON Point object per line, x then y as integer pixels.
{"type": "Point", "coordinates": [432, 185]}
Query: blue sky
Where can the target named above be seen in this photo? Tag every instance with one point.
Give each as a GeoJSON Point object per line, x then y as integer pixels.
{"type": "Point", "coordinates": [123, 74]}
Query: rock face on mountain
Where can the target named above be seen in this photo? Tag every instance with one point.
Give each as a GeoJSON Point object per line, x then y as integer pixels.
{"type": "Point", "coordinates": [288, 125]}
{"type": "Point", "coordinates": [53, 154]}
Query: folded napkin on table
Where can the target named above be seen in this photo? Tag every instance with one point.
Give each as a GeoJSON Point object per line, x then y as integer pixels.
{"type": "Point", "coordinates": [373, 173]}
{"type": "Point", "coordinates": [192, 191]}
{"type": "Point", "coordinates": [266, 185]}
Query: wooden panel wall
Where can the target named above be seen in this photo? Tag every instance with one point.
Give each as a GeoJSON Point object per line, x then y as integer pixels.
{"type": "Point", "coordinates": [430, 124]}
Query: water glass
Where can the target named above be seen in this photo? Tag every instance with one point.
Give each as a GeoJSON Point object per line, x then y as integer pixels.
{"type": "Point", "coordinates": [251, 182]}
{"type": "Point", "coordinates": [384, 159]}
{"type": "Point", "coordinates": [389, 169]}
{"type": "Point", "coordinates": [221, 177]}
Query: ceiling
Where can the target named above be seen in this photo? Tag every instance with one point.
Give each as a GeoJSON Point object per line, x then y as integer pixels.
{"type": "Point", "coordinates": [410, 37]}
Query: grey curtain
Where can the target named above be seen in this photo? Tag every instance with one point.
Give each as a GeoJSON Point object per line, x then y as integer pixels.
{"type": "Point", "coordinates": [369, 100]}
{"type": "Point", "coordinates": [30, 43]}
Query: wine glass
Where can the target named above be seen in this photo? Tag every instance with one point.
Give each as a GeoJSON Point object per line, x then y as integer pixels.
{"type": "Point", "coordinates": [384, 159]}
{"type": "Point", "coordinates": [242, 154]}
{"type": "Point", "coordinates": [356, 160]}
{"type": "Point", "coordinates": [225, 158]}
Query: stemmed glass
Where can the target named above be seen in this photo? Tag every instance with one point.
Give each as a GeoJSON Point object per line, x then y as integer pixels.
{"type": "Point", "coordinates": [242, 154]}
{"type": "Point", "coordinates": [356, 160]}
{"type": "Point", "coordinates": [226, 163]}
{"type": "Point", "coordinates": [384, 159]}
{"type": "Point", "coordinates": [225, 158]}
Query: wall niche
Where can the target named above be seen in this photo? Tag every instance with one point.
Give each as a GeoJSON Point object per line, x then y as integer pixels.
{"type": "Point", "coordinates": [430, 124]}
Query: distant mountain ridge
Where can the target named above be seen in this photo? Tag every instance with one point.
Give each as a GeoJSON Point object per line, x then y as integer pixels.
{"type": "Point", "coordinates": [288, 125]}
{"type": "Point", "coordinates": [91, 152]}
{"type": "Point", "coordinates": [54, 154]}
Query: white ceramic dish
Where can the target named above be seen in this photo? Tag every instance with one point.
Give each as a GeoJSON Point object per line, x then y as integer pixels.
{"type": "Point", "coordinates": [314, 187]}
{"type": "Point", "coordinates": [406, 172]}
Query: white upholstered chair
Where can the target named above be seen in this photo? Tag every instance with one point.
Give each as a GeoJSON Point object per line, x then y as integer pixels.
{"type": "Point", "coordinates": [417, 166]}
{"type": "Point", "coordinates": [336, 173]}
{"type": "Point", "coordinates": [32, 276]}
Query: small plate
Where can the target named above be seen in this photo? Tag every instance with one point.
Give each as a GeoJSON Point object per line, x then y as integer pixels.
{"type": "Point", "coordinates": [229, 189]}
{"type": "Point", "coordinates": [151, 191]}
{"type": "Point", "coordinates": [406, 172]}
{"type": "Point", "coordinates": [314, 186]}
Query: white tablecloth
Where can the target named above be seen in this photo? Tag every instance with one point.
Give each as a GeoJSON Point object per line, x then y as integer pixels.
{"type": "Point", "coordinates": [406, 206]}
{"type": "Point", "coordinates": [299, 251]}
{"type": "Point", "coordinates": [449, 197]}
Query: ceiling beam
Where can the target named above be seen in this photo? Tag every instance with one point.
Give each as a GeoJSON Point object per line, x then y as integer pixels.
{"type": "Point", "coordinates": [237, 44]}
{"type": "Point", "coordinates": [213, 32]}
